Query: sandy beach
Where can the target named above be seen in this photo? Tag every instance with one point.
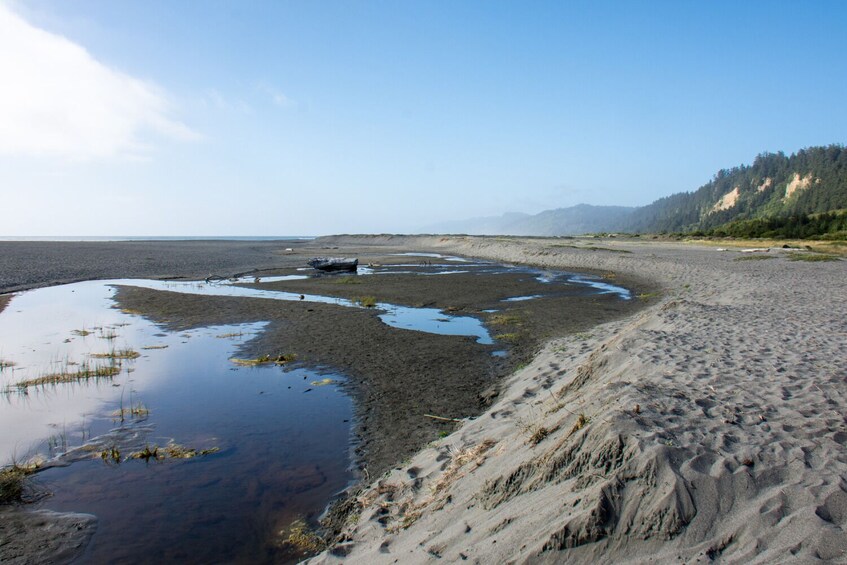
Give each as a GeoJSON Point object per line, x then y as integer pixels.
{"type": "Point", "coordinates": [702, 421]}
{"type": "Point", "coordinates": [709, 426]}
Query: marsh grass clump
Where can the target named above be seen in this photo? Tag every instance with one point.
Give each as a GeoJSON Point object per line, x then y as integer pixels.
{"type": "Point", "coordinates": [135, 411]}
{"type": "Point", "coordinates": [82, 333]}
{"type": "Point", "coordinates": [348, 280]}
{"type": "Point", "coordinates": [4, 364]}
{"type": "Point", "coordinates": [176, 451]}
{"type": "Point", "coordinates": [125, 353]}
{"type": "Point", "coordinates": [280, 359]}
{"type": "Point", "coordinates": [82, 372]}
{"type": "Point", "coordinates": [505, 320]}
{"type": "Point", "coordinates": [170, 451]}
{"type": "Point", "coordinates": [111, 455]}
{"type": "Point", "coordinates": [228, 335]}
{"type": "Point", "coordinates": [812, 257]}
{"type": "Point", "coordinates": [14, 482]}
{"type": "Point", "coordinates": [302, 538]}
{"type": "Point", "coordinates": [148, 347]}
{"type": "Point", "coordinates": [109, 334]}
{"type": "Point", "coordinates": [365, 301]}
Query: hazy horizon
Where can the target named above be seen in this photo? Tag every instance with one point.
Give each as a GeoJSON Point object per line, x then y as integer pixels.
{"type": "Point", "coordinates": [189, 119]}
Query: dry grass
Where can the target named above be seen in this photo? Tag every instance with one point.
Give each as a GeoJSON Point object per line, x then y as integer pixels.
{"type": "Point", "coordinates": [4, 364]}
{"type": "Point", "coordinates": [147, 347]}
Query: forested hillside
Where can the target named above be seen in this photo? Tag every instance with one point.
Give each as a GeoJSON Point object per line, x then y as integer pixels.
{"type": "Point", "coordinates": [774, 192]}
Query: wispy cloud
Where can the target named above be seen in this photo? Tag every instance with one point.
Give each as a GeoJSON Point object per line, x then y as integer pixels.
{"type": "Point", "coordinates": [213, 97]}
{"type": "Point", "coordinates": [56, 99]}
{"type": "Point", "coordinates": [277, 97]}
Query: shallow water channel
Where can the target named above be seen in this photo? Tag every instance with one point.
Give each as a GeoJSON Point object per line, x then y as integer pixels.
{"type": "Point", "coordinates": [278, 437]}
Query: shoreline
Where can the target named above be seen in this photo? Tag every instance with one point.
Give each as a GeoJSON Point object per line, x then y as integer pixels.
{"type": "Point", "coordinates": [707, 426]}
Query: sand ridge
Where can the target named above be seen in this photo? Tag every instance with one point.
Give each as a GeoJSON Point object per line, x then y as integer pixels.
{"type": "Point", "coordinates": [708, 426]}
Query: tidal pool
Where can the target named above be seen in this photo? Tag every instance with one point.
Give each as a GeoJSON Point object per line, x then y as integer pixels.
{"type": "Point", "coordinates": [283, 439]}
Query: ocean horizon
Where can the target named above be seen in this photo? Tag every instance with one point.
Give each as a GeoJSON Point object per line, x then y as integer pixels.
{"type": "Point", "coordinates": [157, 238]}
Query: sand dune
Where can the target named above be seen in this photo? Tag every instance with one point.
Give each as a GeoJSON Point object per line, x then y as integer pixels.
{"type": "Point", "coordinates": [709, 426]}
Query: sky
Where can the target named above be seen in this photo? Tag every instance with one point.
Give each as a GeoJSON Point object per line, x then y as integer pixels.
{"type": "Point", "coordinates": [246, 117]}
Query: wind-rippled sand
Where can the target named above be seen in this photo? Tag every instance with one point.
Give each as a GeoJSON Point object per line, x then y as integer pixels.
{"type": "Point", "coordinates": [709, 426]}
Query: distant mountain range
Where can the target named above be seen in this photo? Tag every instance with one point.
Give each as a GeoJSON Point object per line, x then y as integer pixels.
{"type": "Point", "coordinates": [777, 195]}
{"type": "Point", "coordinates": [582, 218]}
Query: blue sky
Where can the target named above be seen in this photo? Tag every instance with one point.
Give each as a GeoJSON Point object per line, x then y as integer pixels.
{"type": "Point", "coordinates": [270, 118]}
